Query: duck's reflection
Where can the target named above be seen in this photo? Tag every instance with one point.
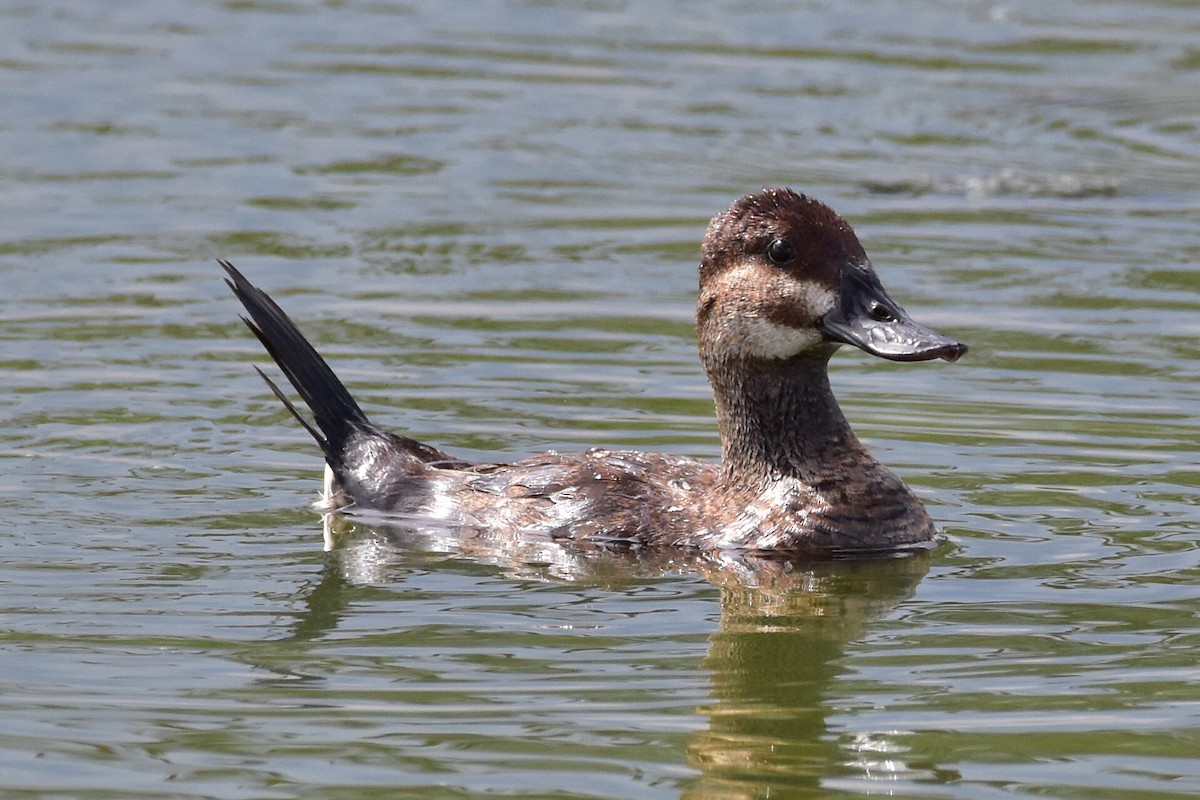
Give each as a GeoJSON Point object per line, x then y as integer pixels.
{"type": "Point", "coordinates": [772, 661]}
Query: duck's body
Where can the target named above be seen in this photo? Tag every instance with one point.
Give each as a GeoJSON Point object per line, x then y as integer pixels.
{"type": "Point", "coordinates": [783, 282]}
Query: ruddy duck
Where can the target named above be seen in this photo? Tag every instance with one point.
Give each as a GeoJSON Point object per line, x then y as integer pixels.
{"type": "Point", "coordinates": [784, 282]}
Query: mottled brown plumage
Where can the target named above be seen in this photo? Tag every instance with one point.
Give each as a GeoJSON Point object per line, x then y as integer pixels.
{"type": "Point", "coordinates": [783, 283]}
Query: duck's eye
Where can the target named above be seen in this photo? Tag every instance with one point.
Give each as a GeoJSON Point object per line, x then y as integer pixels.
{"type": "Point", "coordinates": [781, 252]}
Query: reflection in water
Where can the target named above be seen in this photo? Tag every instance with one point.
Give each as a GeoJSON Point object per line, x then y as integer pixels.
{"type": "Point", "coordinates": [782, 631]}
{"type": "Point", "coordinates": [772, 662]}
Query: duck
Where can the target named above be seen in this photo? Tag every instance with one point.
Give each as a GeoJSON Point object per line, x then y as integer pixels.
{"type": "Point", "coordinates": [783, 283]}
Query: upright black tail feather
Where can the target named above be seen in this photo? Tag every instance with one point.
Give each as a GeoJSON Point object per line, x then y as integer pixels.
{"type": "Point", "coordinates": [336, 413]}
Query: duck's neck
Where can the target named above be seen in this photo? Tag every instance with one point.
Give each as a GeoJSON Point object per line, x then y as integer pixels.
{"type": "Point", "coordinates": [779, 419]}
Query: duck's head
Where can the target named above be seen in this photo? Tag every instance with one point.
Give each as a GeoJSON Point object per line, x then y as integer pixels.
{"type": "Point", "coordinates": [782, 276]}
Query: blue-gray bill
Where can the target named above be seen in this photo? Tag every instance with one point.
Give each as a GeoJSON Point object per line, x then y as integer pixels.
{"type": "Point", "coordinates": [871, 320]}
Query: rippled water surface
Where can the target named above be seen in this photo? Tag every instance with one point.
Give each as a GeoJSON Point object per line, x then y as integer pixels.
{"type": "Point", "coordinates": [487, 215]}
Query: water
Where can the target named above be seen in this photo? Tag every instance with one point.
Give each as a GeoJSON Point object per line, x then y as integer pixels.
{"type": "Point", "coordinates": [487, 216]}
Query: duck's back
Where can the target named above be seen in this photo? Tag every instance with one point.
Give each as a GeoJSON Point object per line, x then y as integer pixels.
{"type": "Point", "coordinates": [600, 494]}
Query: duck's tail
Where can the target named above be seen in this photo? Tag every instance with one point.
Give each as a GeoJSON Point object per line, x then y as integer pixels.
{"type": "Point", "coordinates": [335, 412]}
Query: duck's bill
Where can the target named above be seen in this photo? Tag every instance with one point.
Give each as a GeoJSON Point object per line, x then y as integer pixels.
{"type": "Point", "coordinates": [870, 320]}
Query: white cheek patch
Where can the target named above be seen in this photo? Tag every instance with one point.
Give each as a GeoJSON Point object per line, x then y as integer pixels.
{"type": "Point", "coordinates": [760, 337]}
{"type": "Point", "coordinates": [818, 299]}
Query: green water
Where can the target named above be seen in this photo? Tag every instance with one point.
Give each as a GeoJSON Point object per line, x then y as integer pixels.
{"type": "Point", "coordinates": [487, 215]}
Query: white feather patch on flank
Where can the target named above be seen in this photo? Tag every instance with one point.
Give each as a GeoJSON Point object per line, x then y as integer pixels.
{"type": "Point", "coordinates": [441, 506]}
{"type": "Point", "coordinates": [333, 496]}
